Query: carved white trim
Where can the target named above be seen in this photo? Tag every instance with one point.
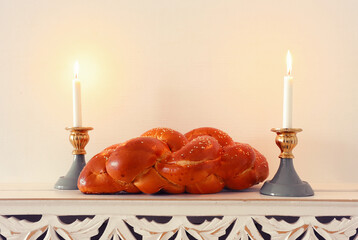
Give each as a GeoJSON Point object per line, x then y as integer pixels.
{"type": "Point", "coordinates": [207, 230]}
{"type": "Point", "coordinates": [243, 228]}
{"type": "Point", "coordinates": [336, 229]}
{"type": "Point", "coordinates": [12, 228]}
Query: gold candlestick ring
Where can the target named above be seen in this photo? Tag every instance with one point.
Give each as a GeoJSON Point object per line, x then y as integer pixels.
{"type": "Point", "coordinates": [286, 140]}
{"type": "Point", "coordinates": [79, 138]}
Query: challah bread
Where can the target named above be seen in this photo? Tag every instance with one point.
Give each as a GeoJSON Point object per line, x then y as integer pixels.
{"type": "Point", "coordinates": [204, 160]}
{"type": "Point", "coordinates": [252, 175]}
{"type": "Point", "coordinates": [151, 182]}
{"type": "Point", "coordinates": [133, 162]}
{"type": "Point", "coordinates": [193, 162]}
{"type": "Point", "coordinates": [210, 184]}
{"type": "Point", "coordinates": [95, 179]}
{"type": "Point", "coordinates": [135, 156]}
{"type": "Point", "coordinates": [174, 139]}
{"type": "Point", "coordinates": [222, 137]}
{"type": "Point", "coordinates": [236, 158]}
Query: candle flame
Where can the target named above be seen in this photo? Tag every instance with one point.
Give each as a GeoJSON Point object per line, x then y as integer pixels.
{"type": "Point", "coordinates": [289, 62]}
{"type": "Point", "coordinates": [76, 68]}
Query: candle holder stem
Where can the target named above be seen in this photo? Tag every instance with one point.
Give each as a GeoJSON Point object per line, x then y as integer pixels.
{"type": "Point", "coordinates": [286, 182]}
{"type": "Point", "coordinates": [79, 138]}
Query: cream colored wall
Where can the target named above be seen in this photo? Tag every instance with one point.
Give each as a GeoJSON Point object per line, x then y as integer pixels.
{"type": "Point", "coordinates": [178, 64]}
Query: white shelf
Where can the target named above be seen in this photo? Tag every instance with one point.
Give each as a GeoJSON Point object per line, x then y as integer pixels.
{"type": "Point", "coordinates": [45, 200]}
{"type": "Point", "coordinates": [238, 214]}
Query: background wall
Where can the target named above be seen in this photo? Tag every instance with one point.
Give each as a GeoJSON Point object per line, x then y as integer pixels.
{"type": "Point", "coordinates": [178, 64]}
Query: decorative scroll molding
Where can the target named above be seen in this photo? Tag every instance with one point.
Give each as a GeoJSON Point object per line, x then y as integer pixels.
{"type": "Point", "coordinates": [336, 229]}
{"type": "Point", "coordinates": [180, 225]}
{"type": "Point", "coordinates": [127, 227]}
{"type": "Point", "coordinates": [245, 227]}
{"type": "Point", "coordinates": [12, 228]}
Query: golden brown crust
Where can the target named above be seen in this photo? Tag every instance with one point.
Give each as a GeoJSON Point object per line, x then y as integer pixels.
{"type": "Point", "coordinates": [192, 163]}
{"type": "Point", "coordinates": [222, 137]}
{"type": "Point", "coordinates": [95, 179]}
{"type": "Point", "coordinates": [236, 159]}
{"type": "Point", "coordinates": [252, 175]}
{"type": "Point", "coordinates": [151, 182]}
{"type": "Point", "coordinates": [174, 139]}
{"type": "Point", "coordinates": [135, 156]}
{"type": "Point", "coordinates": [211, 184]}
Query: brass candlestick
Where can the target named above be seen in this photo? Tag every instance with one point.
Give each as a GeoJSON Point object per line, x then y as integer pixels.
{"type": "Point", "coordinates": [286, 182]}
{"type": "Point", "coordinates": [79, 138]}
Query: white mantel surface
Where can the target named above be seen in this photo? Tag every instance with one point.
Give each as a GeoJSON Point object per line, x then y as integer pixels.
{"type": "Point", "coordinates": [43, 199]}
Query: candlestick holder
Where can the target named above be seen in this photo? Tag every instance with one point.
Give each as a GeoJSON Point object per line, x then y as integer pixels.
{"type": "Point", "coordinates": [79, 138]}
{"type": "Point", "coordinates": [286, 182]}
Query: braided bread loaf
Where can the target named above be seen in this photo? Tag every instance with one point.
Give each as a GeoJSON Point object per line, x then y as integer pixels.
{"type": "Point", "coordinates": [204, 160]}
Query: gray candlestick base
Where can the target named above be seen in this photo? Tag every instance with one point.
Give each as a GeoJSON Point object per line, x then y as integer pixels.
{"type": "Point", "coordinates": [286, 182]}
{"type": "Point", "coordinates": [69, 182]}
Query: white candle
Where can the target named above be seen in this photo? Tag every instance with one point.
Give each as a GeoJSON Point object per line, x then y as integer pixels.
{"type": "Point", "coordinates": [287, 94]}
{"type": "Point", "coordinates": [77, 111]}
